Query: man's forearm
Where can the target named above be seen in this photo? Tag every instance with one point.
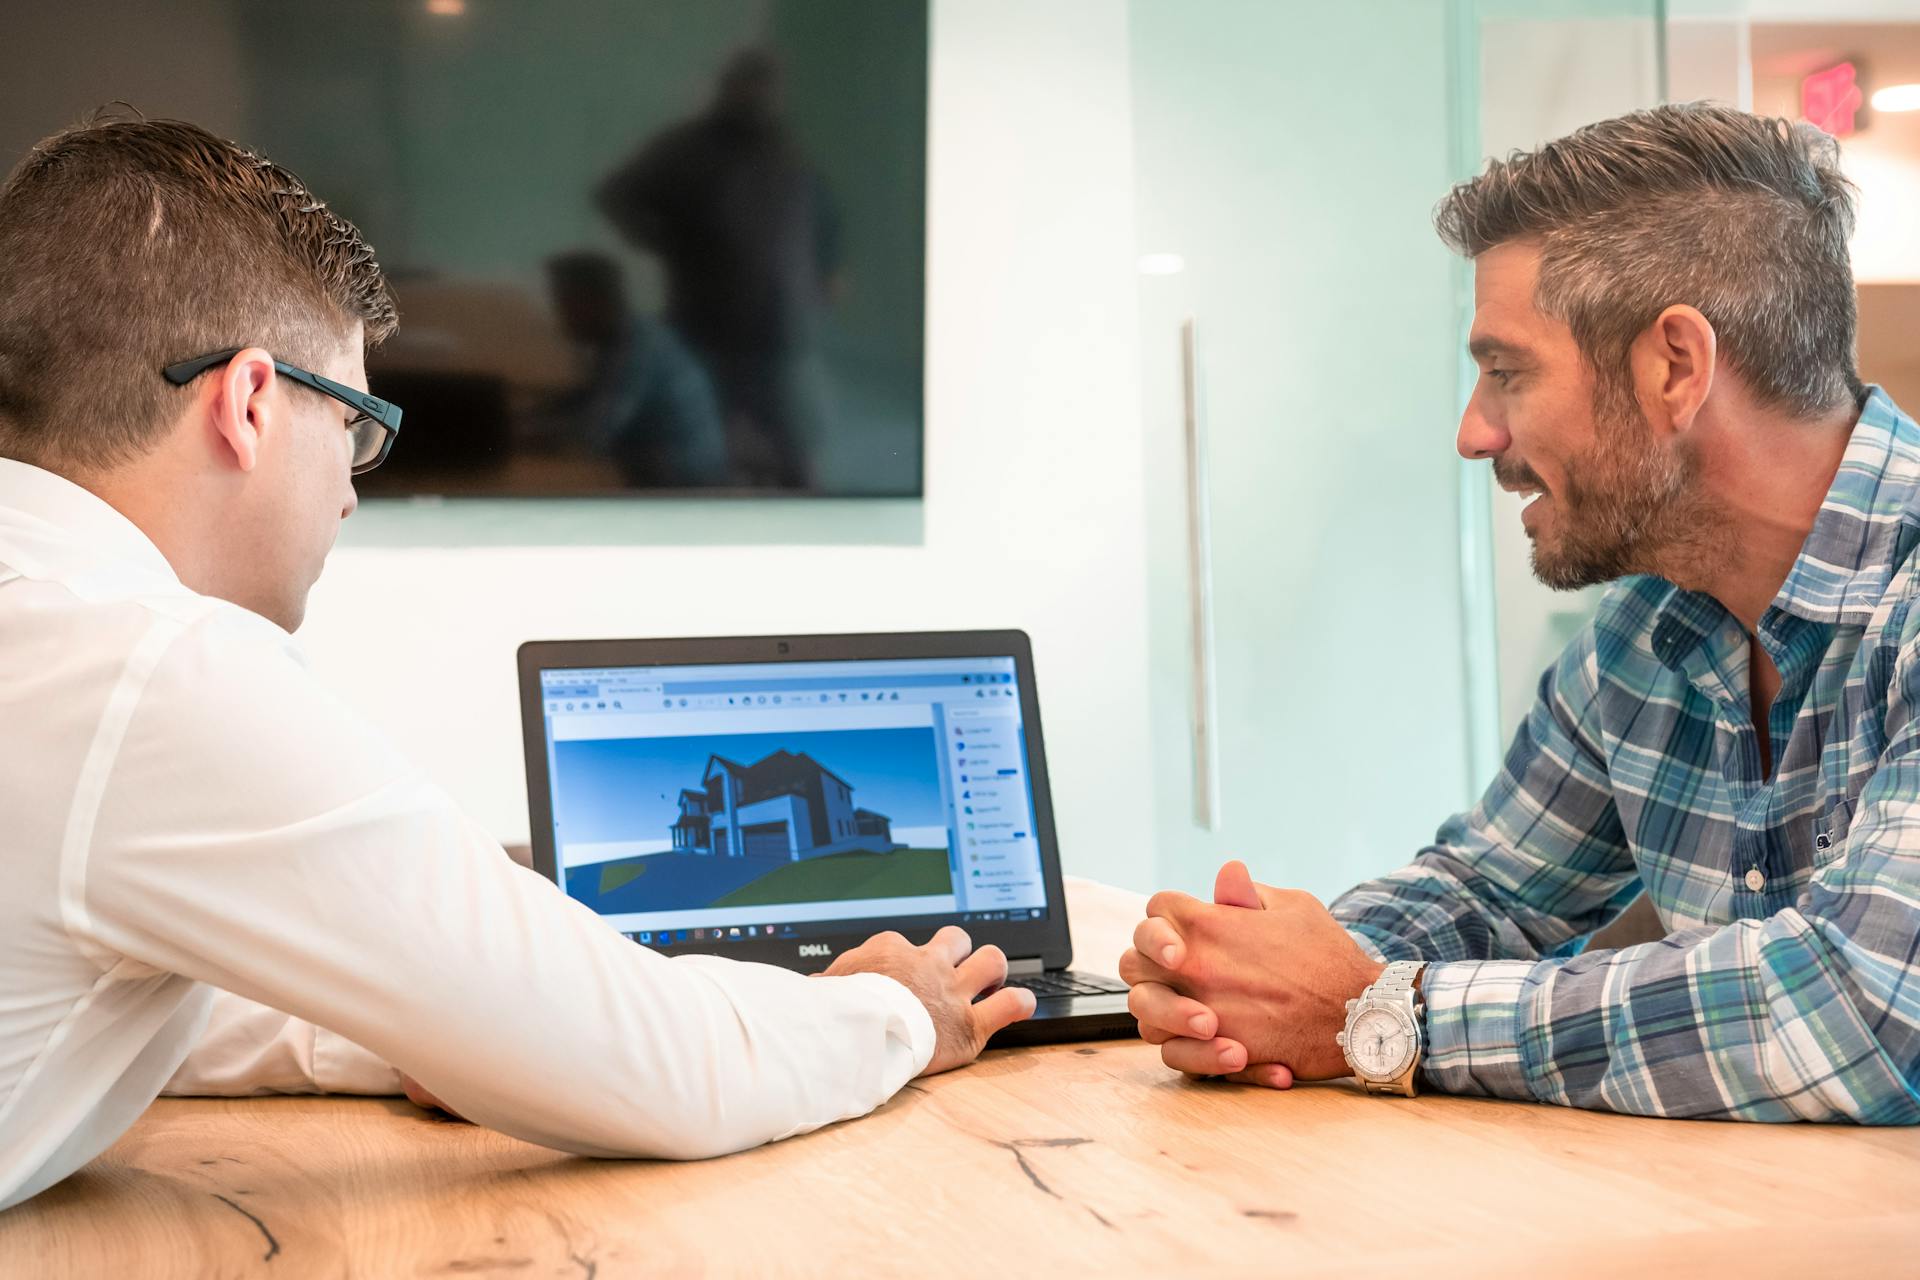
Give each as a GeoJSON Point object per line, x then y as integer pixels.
{"type": "Point", "coordinates": [331, 881]}
{"type": "Point", "coordinates": [519, 1008]}
{"type": "Point", "coordinates": [1751, 1021]}
{"type": "Point", "coordinates": [1438, 909]}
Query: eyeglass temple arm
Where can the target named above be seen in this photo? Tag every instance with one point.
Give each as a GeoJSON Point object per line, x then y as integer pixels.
{"type": "Point", "coordinates": [187, 370]}
{"type": "Point", "coordinates": [385, 411]}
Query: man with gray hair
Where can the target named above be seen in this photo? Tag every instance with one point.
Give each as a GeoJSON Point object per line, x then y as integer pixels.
{"type": "Point", "coordinates": [1664, 326]}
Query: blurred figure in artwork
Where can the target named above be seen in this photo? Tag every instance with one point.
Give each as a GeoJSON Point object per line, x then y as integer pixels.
{"type": "Point", "coordinates": [749, 242]}
{"type": "Point", "coordinates": [643, 402]}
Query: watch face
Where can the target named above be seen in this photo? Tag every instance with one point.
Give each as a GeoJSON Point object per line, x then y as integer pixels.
{"type": "Point", "coordinates": [1380, 1044]}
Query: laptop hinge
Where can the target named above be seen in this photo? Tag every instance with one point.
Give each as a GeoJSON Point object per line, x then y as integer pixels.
{"type": "Point", "coordinates": [1026, 968]}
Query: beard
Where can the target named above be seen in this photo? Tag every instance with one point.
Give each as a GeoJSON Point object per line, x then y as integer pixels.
{"type": "Point", "coordinates": [1625, 507]}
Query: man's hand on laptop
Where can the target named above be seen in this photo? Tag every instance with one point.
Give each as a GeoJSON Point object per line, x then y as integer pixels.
{"type": "Point", "coordinates": [1240, 986]}
{"type": "Point", "coordinates": [946, 976]}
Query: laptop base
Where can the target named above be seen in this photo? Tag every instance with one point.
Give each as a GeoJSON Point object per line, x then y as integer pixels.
{"type": "Point", "coordinates": [1062, 1019]}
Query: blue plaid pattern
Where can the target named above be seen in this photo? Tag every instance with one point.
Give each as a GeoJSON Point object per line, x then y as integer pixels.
{"type": "Point", "coordinates": [1789, 985]}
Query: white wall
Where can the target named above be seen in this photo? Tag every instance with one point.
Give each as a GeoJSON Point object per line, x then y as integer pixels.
{"type": "Point", "coordinates": [1886, 169]}
{"type": "Point", "coordinates": [1032, 516]}
{"type": "Point", "coordinates": [1709, 59]}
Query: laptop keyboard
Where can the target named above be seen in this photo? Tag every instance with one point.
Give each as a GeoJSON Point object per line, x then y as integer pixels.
{"type": "Point", "coordinates": [1065, 982]}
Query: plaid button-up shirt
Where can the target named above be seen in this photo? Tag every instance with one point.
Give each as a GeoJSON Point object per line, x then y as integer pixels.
{"type": "Point", "coordinates": [1789, 985]}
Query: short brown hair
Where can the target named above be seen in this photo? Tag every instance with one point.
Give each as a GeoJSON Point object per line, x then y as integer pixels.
{"type": "Point", "coordinates": [1744, 217]}
{"type": "Point", "coordinates": [128, 245]}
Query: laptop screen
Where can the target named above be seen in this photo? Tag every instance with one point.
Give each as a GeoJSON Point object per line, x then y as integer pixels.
{"type": "Point", "coordinates": [753, 800]}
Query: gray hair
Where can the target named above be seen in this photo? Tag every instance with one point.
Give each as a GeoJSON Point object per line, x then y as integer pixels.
{"type": "Point", "coordinates": [1744, 217]}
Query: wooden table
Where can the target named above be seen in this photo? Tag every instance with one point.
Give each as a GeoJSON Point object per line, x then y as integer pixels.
{"type": "Point", "coordinates": [1064, 1161]}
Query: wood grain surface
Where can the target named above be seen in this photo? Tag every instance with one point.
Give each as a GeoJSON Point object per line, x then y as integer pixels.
{"type": "Point", "coordinates": [1068, 1160]}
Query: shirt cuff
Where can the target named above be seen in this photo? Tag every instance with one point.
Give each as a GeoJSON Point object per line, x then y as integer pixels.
{"type": "Point", "coordinates": [1366, 944]}
{"type": "Point", "coordinates": [1474, 1020]}
{"type": "Point", "coordinates": [910, 1019]}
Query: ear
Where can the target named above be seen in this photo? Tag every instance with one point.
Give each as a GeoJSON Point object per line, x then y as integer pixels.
{"type": "Point", "coordinates": [1673, 363]}
{"type": "Point", "coordinates": [242, 411]}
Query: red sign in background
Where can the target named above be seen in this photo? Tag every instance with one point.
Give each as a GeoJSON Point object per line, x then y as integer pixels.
{"type": "Point", "coordinates": [1829, 99]}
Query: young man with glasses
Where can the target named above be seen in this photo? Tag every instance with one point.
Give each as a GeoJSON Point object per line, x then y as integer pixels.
{"type": "Point", "coordinates": [217, 875]}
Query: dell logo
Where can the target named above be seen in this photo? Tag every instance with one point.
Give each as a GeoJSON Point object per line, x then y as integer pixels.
{"type": "Point", "coordinates": [809, 949]}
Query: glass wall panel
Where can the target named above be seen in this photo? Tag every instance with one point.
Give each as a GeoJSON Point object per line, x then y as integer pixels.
{"type": "Point", "coordinates": [1322, 568]}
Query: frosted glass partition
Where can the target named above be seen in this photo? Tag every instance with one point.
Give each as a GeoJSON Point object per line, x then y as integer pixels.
{"type": "Point", "coordinates": [1321, 567]}
{"type": "Point", "coordinates": [1288, 157]}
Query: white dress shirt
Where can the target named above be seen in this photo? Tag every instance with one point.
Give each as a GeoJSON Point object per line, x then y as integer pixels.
{"type": "Point", "coordinates": [183, 807]}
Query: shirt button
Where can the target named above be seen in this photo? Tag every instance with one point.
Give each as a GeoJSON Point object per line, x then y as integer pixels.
{"type": "Point", "coordinates": [1756, 881]}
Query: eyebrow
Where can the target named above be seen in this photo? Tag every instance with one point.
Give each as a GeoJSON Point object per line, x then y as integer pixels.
{"type": "Point", "coordinates": [1486, 348]}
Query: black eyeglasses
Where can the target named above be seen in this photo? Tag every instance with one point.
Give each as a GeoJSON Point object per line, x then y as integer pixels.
{"type": "Point", "coordinates": [372, 428]}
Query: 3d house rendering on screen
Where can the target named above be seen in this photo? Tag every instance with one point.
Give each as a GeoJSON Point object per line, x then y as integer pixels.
{"type": "Point", "coordinates": [784, 806]}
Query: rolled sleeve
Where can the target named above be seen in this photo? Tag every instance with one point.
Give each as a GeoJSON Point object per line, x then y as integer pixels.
{"type": "Point", "coordinates": [1475, 1013]}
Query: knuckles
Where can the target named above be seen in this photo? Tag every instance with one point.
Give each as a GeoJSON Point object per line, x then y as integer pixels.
{"type": "Point", "coordinates": [1171, 903]}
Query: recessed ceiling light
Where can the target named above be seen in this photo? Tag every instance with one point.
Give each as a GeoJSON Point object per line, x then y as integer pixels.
{"type": "Point", "coordinates": [1897, 97]}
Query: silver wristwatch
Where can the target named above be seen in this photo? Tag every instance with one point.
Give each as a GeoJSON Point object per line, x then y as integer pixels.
{"type": "Point", "coordinates": [1385, 1034]}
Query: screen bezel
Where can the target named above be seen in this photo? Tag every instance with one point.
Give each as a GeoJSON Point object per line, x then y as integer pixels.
{"type": "Point", "coordinates": [1046, 939]}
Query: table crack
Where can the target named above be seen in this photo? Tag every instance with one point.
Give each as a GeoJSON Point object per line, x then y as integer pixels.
{"type": "Point", "coordinates": [589, 1267]}
{"type": "Point", "coordinates": [1018, 1147]}
{"type": "Point", "coordinates": [273, 1245]}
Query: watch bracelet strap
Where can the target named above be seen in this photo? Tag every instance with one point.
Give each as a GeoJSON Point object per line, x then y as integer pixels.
{"type": "Point", "coordinates": [1398, 979]}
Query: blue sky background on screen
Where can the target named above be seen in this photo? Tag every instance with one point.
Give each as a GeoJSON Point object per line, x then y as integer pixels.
{"type": "Point", "coordinates": [628, 789]}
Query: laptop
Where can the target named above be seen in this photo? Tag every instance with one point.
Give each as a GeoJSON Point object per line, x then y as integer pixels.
{"type": "Point", "coordinates": [783, 798]}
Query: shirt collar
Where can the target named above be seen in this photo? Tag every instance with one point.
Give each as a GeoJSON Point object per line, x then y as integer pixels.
{"type": "Point", "coordinates": [1866, 522]}
{"type": "Point", "coordinates": [52, 528]}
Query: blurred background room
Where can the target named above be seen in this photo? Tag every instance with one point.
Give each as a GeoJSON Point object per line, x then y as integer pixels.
{"type": "Point", "coordinates": [1119, 321]}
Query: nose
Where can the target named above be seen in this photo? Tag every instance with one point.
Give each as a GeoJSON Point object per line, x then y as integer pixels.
{"type": "Point", "coordinates": [1479, 435]}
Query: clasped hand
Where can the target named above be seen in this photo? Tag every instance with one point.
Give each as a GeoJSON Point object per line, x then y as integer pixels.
{"type": "Point", "coordinates": [1252, 986]}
